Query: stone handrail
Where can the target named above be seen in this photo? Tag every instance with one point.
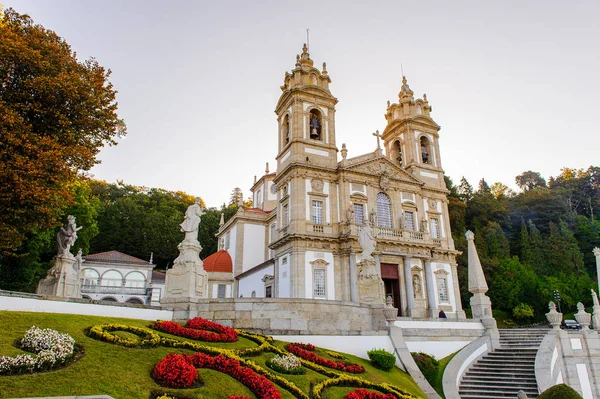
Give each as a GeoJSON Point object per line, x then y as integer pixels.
{"type": "Point", "coordinates": [548, 361]}
{"type": "Point", "coordinates": [461, 362]}
{"type": "Point", "coordinates": [410, 365]}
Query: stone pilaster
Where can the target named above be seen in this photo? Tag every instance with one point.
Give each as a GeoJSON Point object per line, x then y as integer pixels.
{"type": "Point", "coordinates": [430, 280]}
{"type": "Point", "coordinates": [353, 278]}
{"type": "Point", "coordinates": [410, 294]}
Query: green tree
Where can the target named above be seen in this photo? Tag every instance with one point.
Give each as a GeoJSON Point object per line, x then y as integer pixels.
{"type": "Point", "coordinates": [562, 251]}
{"type": "Point", "coordinates": [465, 190]}
{"type": "Point", "coordinates": [139, 221]}
{"type": "Point", "coordinates": [56, 114]}
{"type": "Point", "coordinates": [513, 283]}
{"type": "Point", "coordinates": [529, 180]}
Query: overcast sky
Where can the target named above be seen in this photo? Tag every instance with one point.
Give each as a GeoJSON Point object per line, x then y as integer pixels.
{"type": "Point", "coordinates": [514, 84]}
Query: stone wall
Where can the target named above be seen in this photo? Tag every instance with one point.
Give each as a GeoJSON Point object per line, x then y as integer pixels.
{"type": "Point", "coordinates": [23, 302]}
{"type": "Point", "coordinates": [286, 316]}
{"type": "Point", "coordinates": [570, 357]}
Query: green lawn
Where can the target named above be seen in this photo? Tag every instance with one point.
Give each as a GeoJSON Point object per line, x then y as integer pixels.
{"type": "Point", "coordinates": [125, 372]}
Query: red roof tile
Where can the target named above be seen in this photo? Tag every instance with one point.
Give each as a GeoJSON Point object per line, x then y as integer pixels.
{"type": "Point", "coordinates": [158, 277]}
{"type": "Point", "coordinates": [220, 261]}
{"type": "Point", "coordinates": [115, 257]}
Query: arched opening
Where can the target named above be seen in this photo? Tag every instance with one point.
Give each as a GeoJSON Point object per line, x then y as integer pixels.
{"type": "Point", "coordinates": [112, 278]}
{"type": "Point", "coordinates": [90, 277]}
{"type": "Point", "coordinates": [397, 152]}
{"type": "Point", "coordinates": [285, 129]}
{"type": "Point", "coordinates": [316, 123]}
{"type": "Point", "coordinates": [135, 280]}
{"type": "Point", "coordinates": [384, 210]}
{"type": "Point", "coordinates": [136, 301]}
{"type": "Point", "coordinates": [419, 109]}
{"type": "Point", "coordinates": [425, 150]}
{"type": "Point", "coordinates": [109, 299]}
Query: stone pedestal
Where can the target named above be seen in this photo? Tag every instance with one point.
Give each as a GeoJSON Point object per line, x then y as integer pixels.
{"type": "Point", "coordinates": [187, 278]}
{"type": "Point", "coordinates": [554, 318]}
{"type": "Point", "coordinates": [583, 318]}
{"type": "Point", "coordinates": [596, 318]}
{"type": "Point", "coordinates": [62, 279]}
{"type": "Point", "coordinates": [369, 284]}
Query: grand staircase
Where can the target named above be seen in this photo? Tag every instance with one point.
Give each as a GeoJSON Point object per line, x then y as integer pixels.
{"type": "Point", "coordinates": [503, 372]}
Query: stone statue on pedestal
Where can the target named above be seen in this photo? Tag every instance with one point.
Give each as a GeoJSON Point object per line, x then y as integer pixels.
{"type": "Point", "coordinates": [192, 221]}
{"type": "Point", "coordinates": [62, 279]}
{"type": "Point", "coordinates": [370, 285]}
{"type": "Point", "coordinates": [188, 279]}
{"type": "Point", "coordinates": [596, 312]}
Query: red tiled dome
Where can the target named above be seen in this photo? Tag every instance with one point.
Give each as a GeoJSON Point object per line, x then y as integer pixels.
{"type": "Point", "coordinates": [220, 261]}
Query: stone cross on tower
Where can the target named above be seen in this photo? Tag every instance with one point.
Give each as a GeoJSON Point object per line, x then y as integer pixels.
{"type": "Point", "coordinates": [378, 135]}
{"type": "Point", "coordinates": [480, 303]}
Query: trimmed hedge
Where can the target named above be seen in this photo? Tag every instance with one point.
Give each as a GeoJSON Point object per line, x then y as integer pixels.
{"type": "Point", "coordinates": [561, 391]}
{"type": "Point", "coordinates": [382, 359]}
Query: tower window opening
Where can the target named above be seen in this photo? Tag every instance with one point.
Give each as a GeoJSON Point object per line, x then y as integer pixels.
{"type": "Point", "coordinates": [425, 150]}
{"type": "Point", "coordinates": [397, 152]}
{"type": "Point", "coordinates": [315, 123]}
{"type": "Point", "coordinates": [285, 129]}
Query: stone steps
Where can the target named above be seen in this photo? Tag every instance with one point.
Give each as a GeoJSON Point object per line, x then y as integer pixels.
{"type": "Point", "coordinates": [508, 369]}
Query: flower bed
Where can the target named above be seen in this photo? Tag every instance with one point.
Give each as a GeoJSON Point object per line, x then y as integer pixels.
{"type": "Point", "coordinates": [200, 329]}
{"type": "Point", "coordinates": [52, 348]}
{"type": "Point", "coordinates": [286, 364]}
{"type": "Point", "coordinates": [148, 338]}
{"type": "Point", "coordinates": [352, 381]}
{"type": "Point", "coordinates": [175, 371]}
{"type": "Point", "coordinates": [364, 394]}
{"type": "Point", "coordinates": [307, 352]}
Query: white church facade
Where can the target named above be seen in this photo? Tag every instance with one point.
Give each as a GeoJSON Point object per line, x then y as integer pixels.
{"type": "Point", "coordinates": [301, 238]}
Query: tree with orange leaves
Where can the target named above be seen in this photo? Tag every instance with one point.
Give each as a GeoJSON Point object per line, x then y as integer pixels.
{"type": "Point", "coordinates": [56, 113]}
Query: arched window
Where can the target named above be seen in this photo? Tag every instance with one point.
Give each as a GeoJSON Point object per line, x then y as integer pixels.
{"type": "Point", "coordinates": [112, 278]}
{"type": "Point", "coordinates": [425, 150]}
{"type": "Point", "coordinates": [135, 279]}
{"type": "Point", "coordinates": [419, 109]}
{"type": "Point", "coordinates": [90, 277]}
{"type": "Point", "coordinates": [397, 152]}
{"type": "Point", "coordinates": [315, 123]}
{"type": "Point", "coordinates": [384, 210]}
{"type": "Point", "coordinates": [134, 300]}
{"type": "Point", "coordinates": [285, 129]}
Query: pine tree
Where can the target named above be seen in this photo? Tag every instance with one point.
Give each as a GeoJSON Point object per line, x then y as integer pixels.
{"type": "Point", "coordinates": [465, 190]}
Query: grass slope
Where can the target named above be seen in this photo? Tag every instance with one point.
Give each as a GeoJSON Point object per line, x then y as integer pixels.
{"type": "Point", "coordinates": [125, 372]}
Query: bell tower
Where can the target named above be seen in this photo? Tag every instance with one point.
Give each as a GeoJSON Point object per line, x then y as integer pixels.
{"type": "Point", "coordinates": [306, 117]}
{"type": "Point", "coordinates": [411, 137]}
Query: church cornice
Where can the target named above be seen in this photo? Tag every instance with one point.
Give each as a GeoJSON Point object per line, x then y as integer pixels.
{"type": "Point", "coordinates": [309, 93]}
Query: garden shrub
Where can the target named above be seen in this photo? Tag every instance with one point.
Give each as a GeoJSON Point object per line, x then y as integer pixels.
{"type": "Point", "coordinates": [561, 391]}
{"type": "Point", "coordinates": [522, 311]}
{"type": "Point", "coordinates": [382, 359]}
{"type": "Point", "coordinates": [286, 364]}
{"type": "Point", "coordinates": [427, 364]}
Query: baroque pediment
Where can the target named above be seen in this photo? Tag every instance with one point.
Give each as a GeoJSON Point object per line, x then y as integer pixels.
{"type": "Point", "coordinates": [380, 166]}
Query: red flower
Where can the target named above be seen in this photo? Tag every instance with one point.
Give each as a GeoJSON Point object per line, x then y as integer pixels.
{"type": "Point", "coordinates": [258, 384]}
{"type": "Point", "coordinates": [175, 371]}
{"type": "Point", "coordinates": [306, 352]}
{"type": "Point", "coordinates": [200, 329]}
{"type": "Point", "coordinates": [364, 394]}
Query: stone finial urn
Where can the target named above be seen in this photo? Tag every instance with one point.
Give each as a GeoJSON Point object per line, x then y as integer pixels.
{"type": "Point", "coordinates": [521, 395]}
{"type": "Point", "coordinates": [554, 318]}
{"type": "Point", "coordinates": [390, 312]}
{"type": "Point", "coordinates": [582, 317]}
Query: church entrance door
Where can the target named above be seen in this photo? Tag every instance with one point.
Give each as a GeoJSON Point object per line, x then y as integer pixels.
{"type": "Point", "coordinates": [391, 281]}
